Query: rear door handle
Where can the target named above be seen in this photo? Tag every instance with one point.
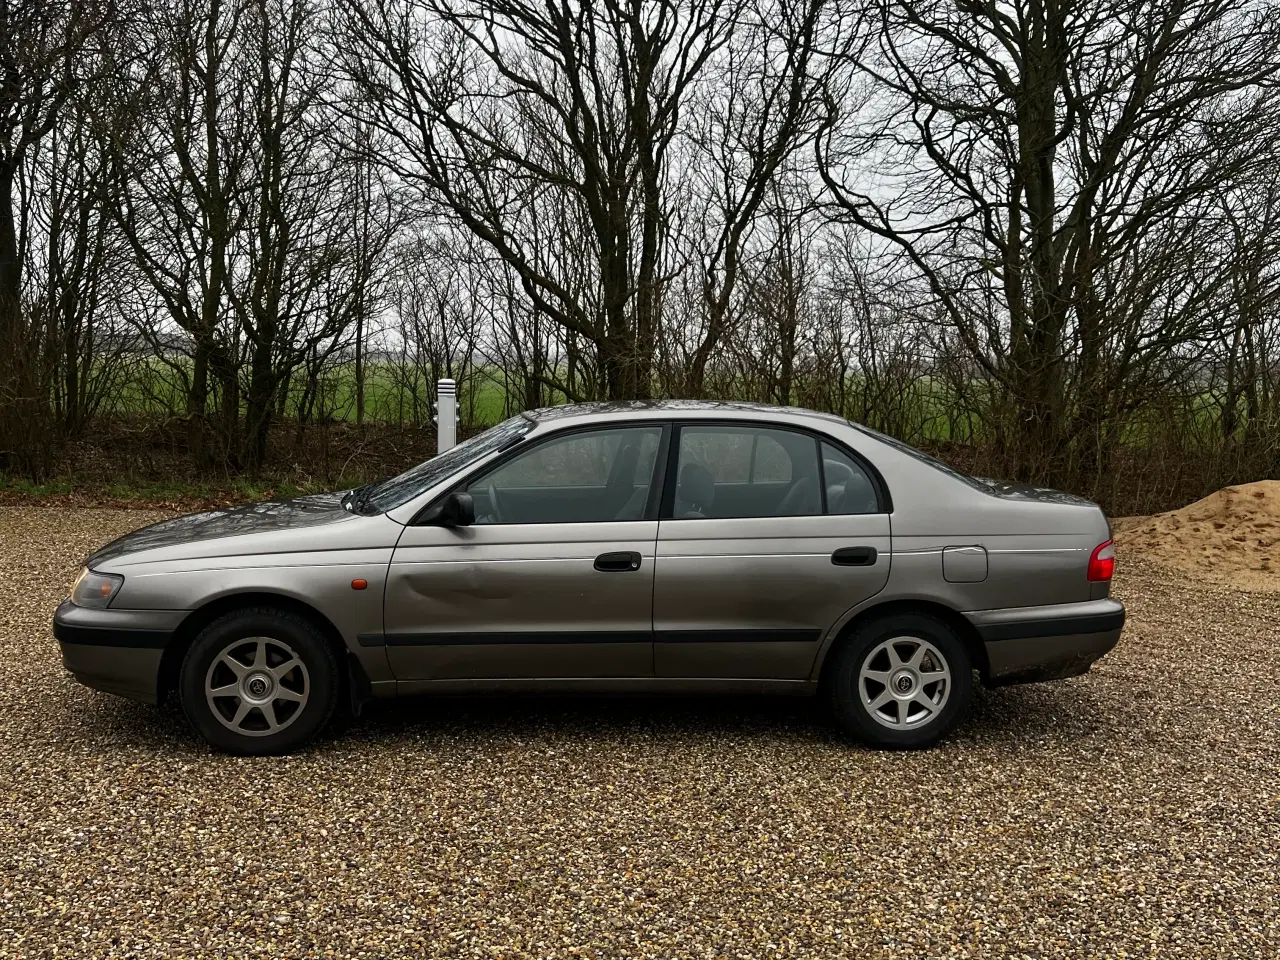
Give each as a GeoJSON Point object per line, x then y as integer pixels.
{"type": "Point", "coordinates": [854, 557]}
{"type": "Point", "coordinates": [618, 562]}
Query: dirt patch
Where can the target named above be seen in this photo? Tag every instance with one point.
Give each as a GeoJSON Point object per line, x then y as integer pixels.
{"type": "Point", "coordinates": [1232, 536]}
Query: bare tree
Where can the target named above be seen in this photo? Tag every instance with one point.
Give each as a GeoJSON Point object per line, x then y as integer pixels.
{"type": "Point", "coordinates": [1246, 353]}
{"type": "Point", "coordinates": [1030, 160]}
{"type": "Point", "coordinates": [441, 308]}
{"type": "Point", "coordinates": [759, 105]}
{"type": "Point", "coordinates": [503, 110]}
{"type": "Point", "coordinates": [183, 156]}
{"type": "Point", "coordinates": [77, 269]}
{"type": "Point", "coordinates": [309, 213]}
{"type": "Point", "coordinates": [255, 228]}
{"type": "Point", "coordinates": [46, 56]}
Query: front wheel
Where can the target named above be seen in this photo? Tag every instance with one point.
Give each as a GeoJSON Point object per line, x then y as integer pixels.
{"type": "Point", "coordinates": [901, 682]}
{"type": "Point", "coordinates": [259, 682]}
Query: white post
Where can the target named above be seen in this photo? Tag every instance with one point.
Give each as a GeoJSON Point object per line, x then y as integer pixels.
{"type": "Point", "coordinates": [446, 415]}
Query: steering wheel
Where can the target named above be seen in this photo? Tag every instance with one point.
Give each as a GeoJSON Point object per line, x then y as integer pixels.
{"type": "Point", "coordinates": [495, 508]}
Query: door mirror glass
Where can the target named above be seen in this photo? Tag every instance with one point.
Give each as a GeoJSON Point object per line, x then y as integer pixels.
{"type": "Point", "coordinates": [456, 510]}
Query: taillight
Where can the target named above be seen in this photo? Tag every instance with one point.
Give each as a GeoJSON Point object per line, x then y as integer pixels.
{"type": "Point", "coordinates": [1102, 562]}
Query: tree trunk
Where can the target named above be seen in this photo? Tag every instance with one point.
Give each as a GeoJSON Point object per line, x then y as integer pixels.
{"type": "Point", "coordinates": [198, 404]}
{"type": "Point", "coordinates": [258, 410]}
{"type": "Point", "coordinates": [360, 366]}
{"type": "Point", "coordinates": [26, 443]}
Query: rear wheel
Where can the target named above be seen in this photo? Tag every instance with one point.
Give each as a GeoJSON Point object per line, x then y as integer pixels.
{"type": "Point", "coordinates": [902, 681]}
{"type": "Point", "coordinates": [259, 682]}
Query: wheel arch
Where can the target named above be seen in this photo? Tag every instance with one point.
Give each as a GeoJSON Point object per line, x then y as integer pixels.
{"type": "Point", "coordinates": [958, 623]}
{"type": "Point", "coordinates": [351, 673]}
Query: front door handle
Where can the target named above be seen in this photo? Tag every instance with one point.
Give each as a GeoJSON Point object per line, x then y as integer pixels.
{"type": "Point", "coordinates": [618, 562]}
{"type": "Point", "coordinates": [854, 557]}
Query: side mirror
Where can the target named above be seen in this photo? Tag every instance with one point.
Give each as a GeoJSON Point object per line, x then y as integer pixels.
{"type": "Point", "coordinates": [457, 510]}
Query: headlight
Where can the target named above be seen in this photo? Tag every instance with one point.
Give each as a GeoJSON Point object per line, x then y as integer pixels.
{"type": "Point", "coordinates": [95, 589]}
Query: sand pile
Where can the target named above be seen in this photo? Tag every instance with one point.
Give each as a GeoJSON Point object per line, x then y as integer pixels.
{"type": "Point", "coordinates": [1232, 536]}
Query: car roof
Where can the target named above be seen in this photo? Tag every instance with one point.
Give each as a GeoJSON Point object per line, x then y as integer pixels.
{"type": "Point", "coordinates": [659, 408]}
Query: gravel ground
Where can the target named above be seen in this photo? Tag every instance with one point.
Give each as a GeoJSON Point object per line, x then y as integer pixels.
{"type": "Point", "coordinates": [1132, 812]}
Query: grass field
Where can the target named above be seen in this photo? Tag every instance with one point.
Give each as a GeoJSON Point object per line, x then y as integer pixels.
{"type": "Point", "coordinates": [392, 393]}
{"type": "Point", "coordinates": [920, 412]}
{"type": "Point", "coordinates": [1159, 456]}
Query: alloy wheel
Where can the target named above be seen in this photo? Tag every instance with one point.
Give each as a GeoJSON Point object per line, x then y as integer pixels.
{"type": "Point", "coordinates": [904, 683]}
{"type": "Point", "coordinates": [257, 686]}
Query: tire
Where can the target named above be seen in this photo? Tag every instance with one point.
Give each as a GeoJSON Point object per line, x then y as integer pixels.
{"type": "Point", "coordinates": [934, 691]}
{"type": "Point", "coordinates": [259, 682]}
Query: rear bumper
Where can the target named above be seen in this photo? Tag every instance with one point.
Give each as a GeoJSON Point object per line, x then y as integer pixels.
{"type": "Point", "coordinates": [1029, 644]}
{"type": "Point", "coordinates": [117, 651]}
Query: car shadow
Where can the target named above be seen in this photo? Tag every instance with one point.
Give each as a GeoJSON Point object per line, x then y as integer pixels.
{"type": "Point", "coordinates": [593, 715]}
{"type": "Point", "coordinates": [1010, 715]}
{"type": "Point", "coordinates": [1061, 710]}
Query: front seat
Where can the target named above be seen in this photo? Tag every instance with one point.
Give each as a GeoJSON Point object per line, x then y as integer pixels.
{"type": "Point", "coordinates": [695, 493]}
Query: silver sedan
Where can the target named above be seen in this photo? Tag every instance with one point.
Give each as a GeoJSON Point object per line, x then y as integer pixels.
{"type": "Point", "coordinates": [670, 547]}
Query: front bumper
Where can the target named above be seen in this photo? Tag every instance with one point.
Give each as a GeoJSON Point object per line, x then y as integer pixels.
{"type": "Point", "coordinates": [117, 651]}
{"type": "Point", "coordinates": [1029, 644]}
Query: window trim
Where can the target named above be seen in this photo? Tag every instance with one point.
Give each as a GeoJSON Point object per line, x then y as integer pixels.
{"type": "Point", "coordinates": [822, 478]}
{"type": "Point", "coordinates": [884, 502]}
{"type": "Point", "coordinates": [527, 445]}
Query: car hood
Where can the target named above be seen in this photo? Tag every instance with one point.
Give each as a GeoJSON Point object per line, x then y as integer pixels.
{"type": "Point", "coordinates": [273, 516]}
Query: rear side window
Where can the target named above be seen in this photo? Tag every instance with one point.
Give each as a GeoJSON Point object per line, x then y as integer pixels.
{"type": "Point", "coordinates": [729, 471]}
{"type": "Point", "coordinates": [849, 489]}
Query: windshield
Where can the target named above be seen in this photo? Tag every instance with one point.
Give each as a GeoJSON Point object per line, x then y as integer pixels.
{"type": "Point", "coordinates": [400, 490]}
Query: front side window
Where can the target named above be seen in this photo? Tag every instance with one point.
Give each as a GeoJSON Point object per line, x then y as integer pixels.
{"type": "Point", "coordinates": [743, 471]}
{"type": "Point", "coordinates": [589, 476]}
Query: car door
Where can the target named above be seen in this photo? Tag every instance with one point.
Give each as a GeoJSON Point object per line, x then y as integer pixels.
{"type": "Point", "coordinates": [555, 577]}
{"type": "Point", "coordinates": [768, 536]}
